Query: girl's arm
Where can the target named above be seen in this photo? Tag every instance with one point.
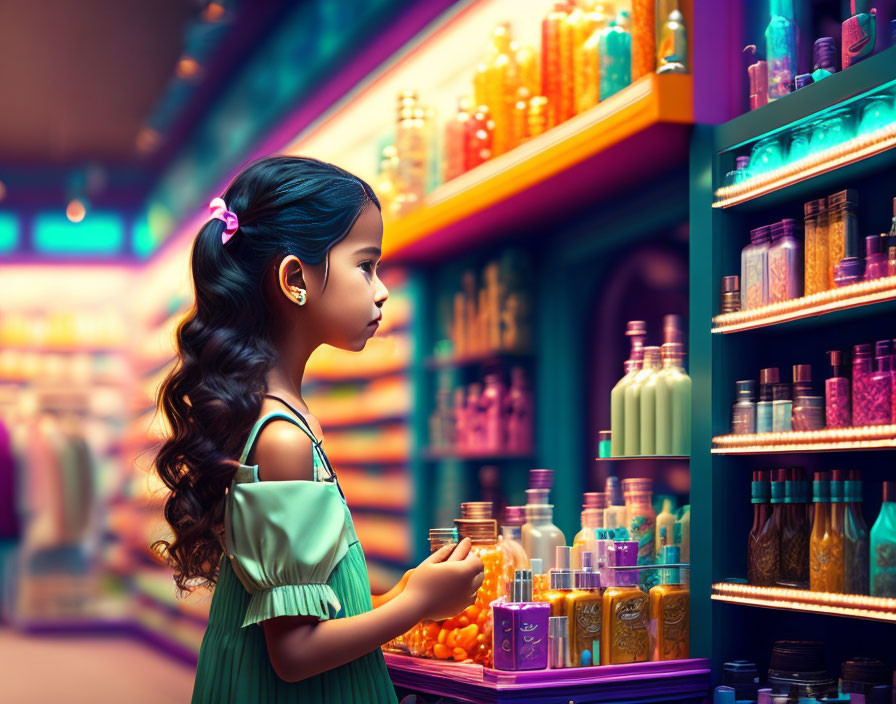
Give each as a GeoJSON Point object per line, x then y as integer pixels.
{"type": "Point", "coordinates": [300, 646]}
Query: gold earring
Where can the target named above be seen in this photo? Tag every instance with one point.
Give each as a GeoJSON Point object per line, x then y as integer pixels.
{"type": "Point", "coordinates": [301, 298]}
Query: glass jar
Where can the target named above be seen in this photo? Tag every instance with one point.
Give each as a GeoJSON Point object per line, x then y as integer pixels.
{"type": "Point", "coordinates": [831, 131]}
{"type": "Point", "coordinates": [877, 113]}
{"type": "Point", "coordinates": [785, 263]}
{"type": "Point", "coordinates": [842, 225]}
{"type": "Point", "coordinates": [808, 413]}
{"type": "Point", "coordinates": [767, 156]}
{"type": "Point", "coordinates": [754, 269]}
{"type": "Point", "coordinates": [816, 250]}
{"type": "Point", "coordinates": [799, 144]}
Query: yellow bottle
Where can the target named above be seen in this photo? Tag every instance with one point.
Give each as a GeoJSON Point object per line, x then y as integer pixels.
{"type": "Point", "coordinates": [541, 582]}
{"type": "Point", "coordinates": [670, 612]}
{"type": "Point", "coordinates": [624, 635]}
{"type": "Point", "coordinates": [584, 608]}
{"type": "Point", "coordinates": [561, 582]}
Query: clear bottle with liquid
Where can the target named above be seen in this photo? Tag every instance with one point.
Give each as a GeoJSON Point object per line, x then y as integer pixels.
{"type": "Point", "coordinates": [781, 38]}
{"type": "Point", "coordinates": [540, 537]}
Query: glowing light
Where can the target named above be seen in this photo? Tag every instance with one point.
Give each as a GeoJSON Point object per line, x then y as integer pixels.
{"type": "Point", "coordinates": [187, 68]}
{"type": "Point", "coordinates": [849, 152]}
{"type": "Point", "coordinates": [852, 296]}
{"type": "Point", "coordinates": [213, 12]}
{"type": "Point", "coordinates": [147, 140]}
{"type": "Point", "coordinates": [75, 210]}
{"type": "Point", "coordinates": [855, 605]}
{"type": "Point", "coordinates": [864, 438]}
{"type": "Point", "coordinates": [2, 190]}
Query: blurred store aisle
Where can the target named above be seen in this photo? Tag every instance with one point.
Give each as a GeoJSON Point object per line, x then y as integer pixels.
{"type": "Point", "coordinates": [81, 669]}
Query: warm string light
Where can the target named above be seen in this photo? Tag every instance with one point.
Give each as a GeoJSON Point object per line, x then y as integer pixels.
{"type": "Point", "coordinates": [859, 605]}
{"type": "Point", "coordinates": [851, 151]}
{"type": "Point", "coordinates": [863, 438]}
{"type": "Point", "coordinates": [858, 294]}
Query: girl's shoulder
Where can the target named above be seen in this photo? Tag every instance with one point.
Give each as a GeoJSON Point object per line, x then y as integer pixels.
{"type": "Point", "coordinates": [283, 448]}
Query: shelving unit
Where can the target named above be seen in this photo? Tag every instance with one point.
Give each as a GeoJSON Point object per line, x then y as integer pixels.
{"type": "Point", "coordinates": [871, 437]}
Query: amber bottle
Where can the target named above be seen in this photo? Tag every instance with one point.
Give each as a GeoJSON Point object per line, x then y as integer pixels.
{"type": "Point", "coordinates": [624, 635]}
{"type": "Point", "coordinates": [670, 612]}
{"type": "Point", "coordinates": [763, 543]}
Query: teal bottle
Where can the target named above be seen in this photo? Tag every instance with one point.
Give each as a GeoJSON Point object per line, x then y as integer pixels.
{"type": "Point", "coordinates": [615, 48]}
{"type": "Point", "coordinates": [883, 546]}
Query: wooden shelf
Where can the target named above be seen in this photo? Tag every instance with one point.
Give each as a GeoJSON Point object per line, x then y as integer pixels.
{"type": "Point", "coordinates": [849, 605]}
{"type": "Point", "coordinates": [864, 293]}
{"type": "Point", "coordinates": [871, 437]}
{"type": "Point", "coordinates": [644, 128]}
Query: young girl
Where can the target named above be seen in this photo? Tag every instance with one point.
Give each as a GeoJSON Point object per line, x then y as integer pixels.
{"type": "Point", "coordinates": [287, 262]}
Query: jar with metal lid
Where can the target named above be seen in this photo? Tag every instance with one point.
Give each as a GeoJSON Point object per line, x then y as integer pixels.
{"type": "Point", "coordinates": [842, 225]}
{"type": "Point", "coordinates": [808, 413]}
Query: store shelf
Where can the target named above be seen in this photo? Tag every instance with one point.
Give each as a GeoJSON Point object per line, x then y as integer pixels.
{"type": "Point", "coordinates": [435, 455]}
{"type": "Point", "coordinates": [872, 437]}
{"type": "Point", "coordinates": [646, 458]}
{"type": "Point", "coordinates": [865, 293]}
{"type": "Point", "coordinates": [472, 360]}
{"type": "Point", "coordinates": [645, 127]}
{"type": "Point", "coordinates": [850, 605]}
{"type": "Point", "coordinates": [673, 680]}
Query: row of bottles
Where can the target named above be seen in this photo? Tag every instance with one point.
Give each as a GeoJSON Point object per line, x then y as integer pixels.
{"type": "Point", "coordinates": [650, 407]}
{"type": "Point", "coordinates": [869, 398]}
{"type": "Point", "coordinates": [773, 267]}
{"type": "Point", "coordinates": [485, 417]}
{"type": "Point", "coordinates": [820, 541]}
{"type": "Point", "coordinates": [491, 314]}
{"type": "Point", "coordinates": [589, 51]}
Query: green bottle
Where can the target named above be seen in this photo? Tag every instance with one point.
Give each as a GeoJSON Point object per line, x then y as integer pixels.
{"type": "Point", "coordinates": [673, 403]}
{"type": "Point", "coordinates": [632, 422]}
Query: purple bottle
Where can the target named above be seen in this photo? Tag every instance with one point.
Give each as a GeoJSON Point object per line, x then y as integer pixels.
{"type": "Point", "coordinates": [861, 371]}
{"type": "Point", "coordinates": [880, 387]}
{"type": "Point", "coordinates": [518, 412]}
{"type": "Point", "coordinates": [492, 404]}
{"type": "Point", "coordinates": [521, 628]}
{"type": "Point", "coordinates": [836, 395]}
{"type": "Point", "coordinates": [876, 263]}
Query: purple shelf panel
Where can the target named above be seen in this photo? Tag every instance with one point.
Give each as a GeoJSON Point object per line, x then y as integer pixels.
{"type": "Point", "coordinates": [670, 681]}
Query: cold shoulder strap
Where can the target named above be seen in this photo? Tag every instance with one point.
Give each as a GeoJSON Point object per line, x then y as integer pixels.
{"type": "Point", "coordinates": [263, 421]}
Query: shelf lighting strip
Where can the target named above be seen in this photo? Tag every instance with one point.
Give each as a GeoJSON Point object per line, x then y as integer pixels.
{"type": "Point", "coordinates": [856, 605]}
{"type": "Point", "coordinates": [849, 152]}
{"type": "Point", "coordinates": [852, 296]}
{"type": "Point", "coordinates": [864, 438]}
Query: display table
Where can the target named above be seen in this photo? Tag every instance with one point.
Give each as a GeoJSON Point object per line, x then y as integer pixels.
{"type": "Point", "coordinates": [671, 681]}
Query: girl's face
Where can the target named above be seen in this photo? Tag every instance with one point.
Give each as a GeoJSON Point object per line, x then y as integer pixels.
{"type": "Point", "coordinates": [347, 311]}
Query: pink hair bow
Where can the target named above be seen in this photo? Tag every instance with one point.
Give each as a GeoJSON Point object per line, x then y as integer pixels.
{"type": "Point", "coordinates": [220, 212]}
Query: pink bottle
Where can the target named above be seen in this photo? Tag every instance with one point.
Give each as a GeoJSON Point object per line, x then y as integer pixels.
{"type": "Point", "coordinates": [836, 395]}
{"type": "Point", "coordinates": [475, 424]}
{"type": "Point", "coordinates": [460, 419]}
{"type": "Point", "coordinates": [518, 412]}
{"type": "Point", "coordinates": [492, 406]}
{"type": "Point", "coordinates": [880, 387]}
{"type": "Point", "coordinates": [861, 372]}
{"type": "Point", "coordinates": [893, 399]}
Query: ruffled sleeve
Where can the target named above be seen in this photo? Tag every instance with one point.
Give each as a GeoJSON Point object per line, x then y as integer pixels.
{"type": "Point", "coordinates": [284, 539]}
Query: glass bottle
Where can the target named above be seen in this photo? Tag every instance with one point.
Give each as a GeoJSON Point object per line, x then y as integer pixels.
{"type": "Point", "coordinates": [647, 414]}
{"type": "Point", "coordinates": [615, 49]}
{"type": "Point", "coordinates": [794, 545]}
{"type": "Point", "coordinates": [816, 254]}
{"type": "Point", "coordinates": [767, 379]}
{"type": "Point", "coordinates": [782, 408]}
{"type": "Point", "coordinates": [641, 517]}
{"type": "Point", "coordinates": [665, 527]}
{"type": "Point", "coordinates": [636, 331]}
{"type": "Point", "coordinates": [861, 373]}
{"type": "Point", "coordinates": [767, 156]}
{"type": "Point", "coordinates": [883, 546]}
{"type": "Point", "coordinates": [754, 269]}
{"type": "Point", "coordinates": [633, 399]}
{"type": "Point", "coordinates": [592, 519]}
{"type": "Point", "coordinates": [842, 223]}
{"type": "Point", "coordinates": [455, 141]}
{"type": "Point", "coordinates": [562, 581]}
{"type": "Point", "coordinates": [763, 544]}
{"type": "Point", "coordinates": [808, 413]}
{"type": "Point", "coordinates": [615, 515]}
{"type": "Point", "coordinates": [643, 38]}
{"type": "Point", "coordinates": [512, 536]}
{"type": "Point", "coordinates": [597, 18]}
{"type": "Point", "coordinates": [540, 537]}
{"type": "Point", "coordinates": [826, 541]}
{"type": "Point", "coordinates": [785, 263]}
{"type": "Point", "coordinates": [624, 634]}
{"type": "Point", "coordinates": [851, 269]}
{"type": "Point", "coordinates": [855, 539]}
{"type": "Point", "coordinates": [673, 403]}
{"type": "Point", "coordinates": [781, 38]}
{"type": "Point", "coordinates": [500, 84]}
{"type": "Point", "coordinates": [875, 257]}
{"type": "Point", "coordinates": [419, 641]}
{"type": "Point", "coordinates": [412, 148]}
{"type": "Point", "coordinates": [836, 395]}
{"type": "Point", "coordinates": [879, 410]}
{"type": "Point", "coordinates": [672, 52]}
{"type": "Point", "coordinates": [584, 608]}
{"type": "Point", "coordinates": [670, 611]}
{"type": "Point", "coordinates": [480, 134]}
{"type": "Point", "coordinates": [521, 627]}
{"type": "Point", "coordinates": [556, 60]}
{"type": "Point", "coordinates": [743, 412]}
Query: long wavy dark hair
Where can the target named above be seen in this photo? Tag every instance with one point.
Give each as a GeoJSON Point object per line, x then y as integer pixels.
{"type": "Point", "coordinates": [212, 397]}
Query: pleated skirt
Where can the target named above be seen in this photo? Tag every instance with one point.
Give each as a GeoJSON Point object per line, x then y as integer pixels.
{"type": "Point", "coordinates": [234, 667]}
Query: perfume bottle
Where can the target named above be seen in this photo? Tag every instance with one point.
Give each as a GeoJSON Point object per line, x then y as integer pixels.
{"type": "Point", "coordinates": [754, 269]}
{"type": "Point", "coordinates": [816, 252]}
{"type": "Point", "coordinates": [785, 263]}
{"type": "Point", "coordinates": [636, 331]}
{"type": "Point", "coordinates": [633, 395]}
{"type": "Point", "coordinates": [842, 226]}
{"type": "Point", "coordinates": [562, 581]}
{"type": "Point", "coordinates": [673, 403]}
{"type": "Point", "coordinates": [794, 543]}
{"type": "Point", "coordinates": [781, 37]}
{"type": "Point", "coordinates": [624, 635]}
{"type": "Point", "coordinates": [521, 628]}
{"type": "Point", "coordinates": [743, 412]}
{"type": "Point", "coordinates": [861, 373]}
{"type": "Point", "coordinates": [541, 582]}
{"type": "Point", "coordinates": [883, 546]}
{"type": "Point", "coordinates": [855, 539]}
{"type": "Point", "coordinates": [585, 615]}
{"type": "Point", "coordinates": [672, 53]}
{"type": "Point", "coordinates": [880, 387]}
{"type": "Point", "coordinates": [540, 537]}
{"type": "Point", "coordinates": [875, 257]}
{"type": "Point", "coordinates": [767, 379]}
{"type": "Point", "coordinates": [670, 611]}
{"type": "Point", "coordinates": [859, 33]}
{"type": "Point", "coordinates": [615, 49]}
{"type": "Point", "coordinates": [838, 413]}
{"type": "Point", "coordinates": [826, 540]}
{"type": "Point", "coordinates": [763, 544]}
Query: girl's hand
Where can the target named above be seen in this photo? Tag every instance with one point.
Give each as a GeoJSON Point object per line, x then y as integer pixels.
{"type": "Point", "coordinates": [446, 582]}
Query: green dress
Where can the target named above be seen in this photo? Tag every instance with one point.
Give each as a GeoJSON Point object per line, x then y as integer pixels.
{"type": "Point", "coordinates": [291, 550]}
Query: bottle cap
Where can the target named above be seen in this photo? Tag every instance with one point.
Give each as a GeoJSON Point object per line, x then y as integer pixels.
{"type": "Point", "coordinates": [838, 477]}
{"type": "Point", "coordinates": [562, 579]}
{"type": "Point", "coordinates": [614, 491]}
{"type": "Point", "coordinates": [541, 478]}
{"type": "Point", "coordinates": [723, 695]}
{"type": "Point", "coordinates": [480, 531]}
{"type": "Point", "coordinates": [673, 328]}
{"type": "Point", "coordinates": [536, 565]}
{"type": "Point", "coordinates": [637, 486]}
{"type": "Point", "coordinates": [782, 392]}
{"type": "Point", "coordinates": [514, 516]}
{"type": "Point", "coordinates": [745, 390]}
{"type": "Point", "coordinates": [672, 350]}
{"type": "Point", "coordinates": [882, 348]}
{"type": "Point", "coordinates": [760, 490]}
{"type": "Point", "coordinates": [861, 351]}
{"type": "Point", "coordinates": [821, 489]}
{"type": "Point", "coordinates": [730, 284]}
{"type": "Point", "coordinates": [652, 357]}
{"type": "Point", "coordinates": [440, 537]}
{"type": "Point", "coordinates": [594, 499]}
{"type": "Point", "coordinates": [825, 54]}
{"type": "Point", "coordinates": [874, 245]}
{"type": "Point", "coordinates": [521, 586]}
{"type": "Point", "coordinates": [760, 234]}
{"type": "Point", "coordinates": [813, 207]}
{"type": "Point", "coordinates": [802, 373]}
{"type": "Point", "coordinates": [636, 328]}
{"type": "Point", "coordinates": [476, 509]}
{"type": "Point", "coordinates": [539, 512]}
{"type": "Point", "coordinates": [771, 375]}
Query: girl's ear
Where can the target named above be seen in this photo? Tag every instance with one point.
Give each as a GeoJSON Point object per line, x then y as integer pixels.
{"type": "Point", "coordinates": [291, 280]}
